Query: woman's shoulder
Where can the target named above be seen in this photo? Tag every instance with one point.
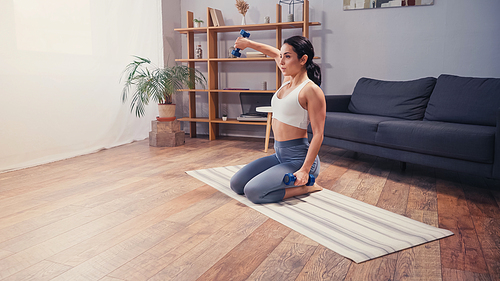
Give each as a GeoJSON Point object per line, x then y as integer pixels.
{"type": "Point", "coordinates": [313, 88]}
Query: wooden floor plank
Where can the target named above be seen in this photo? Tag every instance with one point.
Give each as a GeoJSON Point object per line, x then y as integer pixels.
{"type": "Point", "coordinates": [203, 256]}
{"type": "Point", "coordinates": [352, 168]}
{"type": "Point", "coordinates": [21, 227]}
{"type": "Point", "coordinates": [131, 213]}
{"type": "Point", "coordinates": [461, 251]}
{"type": "Point", "coordinates": [4, 254]}
{"type": "Point", "coordinates": [49, 241]}
{"type": "Point", "coordinates": [98, 213]}
{"type": "Point", "coordinates": [44, 270]}
{"type": "Point", "coordinates": [250, 253]}
{"type": "Point", "coordinates": [164, 253]}
{"type": "Point", "coordinates": [108, 278]}
{"type": "Point", "coordinates": [461, 275]}
{"type": "Point", "coordinates": [423, 189]}
{"type": "Point", "coordinates": [325, 264]}
{"type": "Point", "coordinates": [480, 200]}
{"type": "Point", "coordinates": [89, 248]}
{"type": "Point", "coordinates": [373, 182]}
{"type": "Point", "coordinates": [394, 196]}
{"type": "Point", "coordinates": [96, 196]}
{"type": "Point", "coordinates": [284, 263]}
{"type": "Point", "coordinates": [421, 262]}
{"type": "Point", "coordinates": [107, 261]}
{"type": "Point", "coordinates": [488, 232]}
{"type": "Point", "coordinates": [382, 267]}
{"type": "Point", "coordinates": [329, 174]}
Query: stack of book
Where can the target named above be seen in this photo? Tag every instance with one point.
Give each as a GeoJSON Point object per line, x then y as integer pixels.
{"type": "Point", "coordinates": [255, 55]}
{"type": "Point", "coordinates": [217, 18]}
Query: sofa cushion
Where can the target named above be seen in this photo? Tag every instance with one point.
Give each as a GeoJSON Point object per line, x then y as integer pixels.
{"type": "Point", "coordinates": [460, 141]}
{"type": "Point", "coordinates": [464, 100]}
{"type": "Point", "coordinates": [399, 99]}
{"type": "Point", "coordinates": [353, 127]}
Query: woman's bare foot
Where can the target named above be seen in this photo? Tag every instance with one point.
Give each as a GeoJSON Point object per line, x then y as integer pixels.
{"type": "Point", "coordinates": [299, 190]}
{"type": "Point", "coordinates": [314, 188]}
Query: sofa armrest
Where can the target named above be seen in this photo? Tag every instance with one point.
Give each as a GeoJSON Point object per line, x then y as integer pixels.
{"type": "Point", "coordinates": [496, 160]}
{"type": "Point", "coordinates": [337, 103]}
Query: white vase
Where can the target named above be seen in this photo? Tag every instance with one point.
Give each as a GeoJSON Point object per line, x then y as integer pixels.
{"type": "Point", "coordinates": [243, 20]}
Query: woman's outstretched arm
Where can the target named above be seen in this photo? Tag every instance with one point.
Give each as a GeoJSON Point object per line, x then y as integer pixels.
{"type": "Point", "coordinates": [270, 51]}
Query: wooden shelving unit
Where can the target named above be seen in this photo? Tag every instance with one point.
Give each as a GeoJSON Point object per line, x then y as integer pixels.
{"type": "Point", "coordinates": [213, 61]}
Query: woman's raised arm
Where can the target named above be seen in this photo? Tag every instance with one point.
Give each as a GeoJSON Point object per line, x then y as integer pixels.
{"type": "Point", "coordinates": [270, 51]}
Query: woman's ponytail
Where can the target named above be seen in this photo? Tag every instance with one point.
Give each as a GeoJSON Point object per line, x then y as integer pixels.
{"type": "Point", "coordinates": [314, 72]}
{"type": "Point", "coordinates": [302, 46]}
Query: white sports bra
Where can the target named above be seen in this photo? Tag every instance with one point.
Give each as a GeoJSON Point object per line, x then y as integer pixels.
{"type": "Point", "coordinates": [288, 109]}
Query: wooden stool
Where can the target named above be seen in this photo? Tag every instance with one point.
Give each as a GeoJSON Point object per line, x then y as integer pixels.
{"type": "Point", "coordinates": [166, 134]}
{"type": "Point", "coordinates": [269, 111]}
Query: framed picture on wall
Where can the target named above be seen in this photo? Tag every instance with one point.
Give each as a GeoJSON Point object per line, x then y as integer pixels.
{"type": "Point", "coordinates": [373, 4]}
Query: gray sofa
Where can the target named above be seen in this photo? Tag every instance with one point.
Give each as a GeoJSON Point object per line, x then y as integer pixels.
{"type": "Point", "coordinates": [450, 122]}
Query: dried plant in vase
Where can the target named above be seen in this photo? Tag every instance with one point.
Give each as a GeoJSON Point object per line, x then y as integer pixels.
{"type": "Point", "coordinates": [242, 7]}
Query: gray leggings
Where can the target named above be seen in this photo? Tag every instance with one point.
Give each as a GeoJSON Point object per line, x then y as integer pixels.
{"type": "Point", "coordinates": [262, 180]}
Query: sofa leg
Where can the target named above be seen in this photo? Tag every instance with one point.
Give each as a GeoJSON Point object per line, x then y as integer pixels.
{"type": "Point", "coordinates": [402, 166]}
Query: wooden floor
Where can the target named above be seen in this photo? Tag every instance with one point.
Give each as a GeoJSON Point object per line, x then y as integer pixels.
{"type": "Point", "coordinates": [131, 213]}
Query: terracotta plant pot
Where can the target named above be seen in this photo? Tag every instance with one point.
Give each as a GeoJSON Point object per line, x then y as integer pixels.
{"type": "Point", "coordinates": [166, 112]}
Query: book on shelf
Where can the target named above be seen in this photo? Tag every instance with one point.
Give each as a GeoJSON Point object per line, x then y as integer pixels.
{"type": "Point", "coordinates": [255, 55]}
{"type": "Point", "coordinates": [217, 18]}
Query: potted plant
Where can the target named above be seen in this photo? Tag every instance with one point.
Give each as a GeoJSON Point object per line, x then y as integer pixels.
{"type": "Point", "coordinates": [197, 22]}
{"type": "Point", "coordinates": [157, 84]}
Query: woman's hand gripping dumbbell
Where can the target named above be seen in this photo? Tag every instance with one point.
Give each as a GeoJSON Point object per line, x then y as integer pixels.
{"type": "Point", "coordinates": [290, 179]}
{"type": "Point", "coordinates": [236, 52]}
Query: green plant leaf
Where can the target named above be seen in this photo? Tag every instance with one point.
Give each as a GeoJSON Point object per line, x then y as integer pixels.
{"type": "Point", "coordinates": [157, 84]}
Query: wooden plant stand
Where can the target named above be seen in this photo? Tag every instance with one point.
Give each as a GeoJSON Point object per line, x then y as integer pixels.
{"type": "Point", "coordinates": [166, 134]}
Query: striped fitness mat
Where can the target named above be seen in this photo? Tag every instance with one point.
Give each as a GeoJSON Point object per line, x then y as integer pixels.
{"type": "Point", "coordinates": [354, 229]}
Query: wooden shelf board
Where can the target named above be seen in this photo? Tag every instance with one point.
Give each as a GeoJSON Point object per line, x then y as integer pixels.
{"type": "Point", "coordinates": [192, 60]}
{"type": "Point", "coordinates": [262, 26]}
{"type": "Point", "coordinates": [226, 91]}
{"type": "Point", "coordinates": [192, 29]}
{"type": "Point", "coordinates": [234, 121]}
{"type": "Point", "coordinates": [205, 120]}
{"type": "Point", "coordinates": [242, 91]}
{"type": "Point", "coordinates": [242, 59]}
{"type": "Point", "coordinates": [192, 90]}
{"type": "Point", "coordinates": [247, 27]}
{"type": "Point", "coordinates": [229, 59]}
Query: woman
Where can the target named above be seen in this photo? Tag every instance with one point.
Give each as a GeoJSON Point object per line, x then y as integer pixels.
{"type": "Point", "coordinates": [298, 101]}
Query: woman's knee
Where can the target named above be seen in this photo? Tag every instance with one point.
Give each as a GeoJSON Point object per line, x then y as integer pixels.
{"type": "Point", "coordinates": [253, 194]}
{"type": "Point", "coordinates": [237, 184]}
{"type": "Point", "coordinates": [256, 194]}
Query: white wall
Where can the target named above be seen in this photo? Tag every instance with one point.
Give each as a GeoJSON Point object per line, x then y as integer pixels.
{"type": "Point", "coordinates": [61, 64]}
{"type": "Point", "coordinates": [459, 37]}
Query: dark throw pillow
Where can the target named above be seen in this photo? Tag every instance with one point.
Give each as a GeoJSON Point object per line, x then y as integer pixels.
{"type": "Point", "coordinates": [464, 100]}
{"type": "Point", "coordinates": [399, 99]}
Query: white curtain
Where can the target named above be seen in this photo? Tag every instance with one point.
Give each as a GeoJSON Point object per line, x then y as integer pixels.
{"type": "Point", "coordinates": [60, 68]}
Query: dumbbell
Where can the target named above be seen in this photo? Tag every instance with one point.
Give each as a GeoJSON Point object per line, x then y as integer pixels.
{"type": "Point", "coordinates": [290, 178]}
{"type": "Point", "coordinates": [236, 52]}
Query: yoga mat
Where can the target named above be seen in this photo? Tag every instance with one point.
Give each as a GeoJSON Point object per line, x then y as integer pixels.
{"type": "Point", "coordinates": [354, 229]}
